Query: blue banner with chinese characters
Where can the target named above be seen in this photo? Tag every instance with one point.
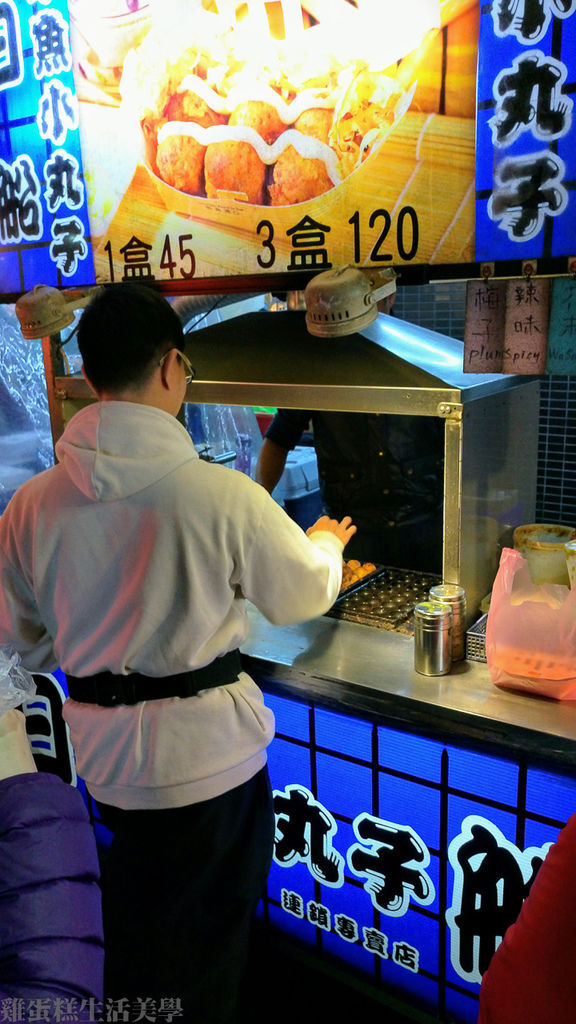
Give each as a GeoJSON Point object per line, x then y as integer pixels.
{"type": "Point", "coordinates": [401, 857]}
{"type": "Point", "coordinates": [525, 132]}
{"type": "Point", "coordinates": [44, 227]}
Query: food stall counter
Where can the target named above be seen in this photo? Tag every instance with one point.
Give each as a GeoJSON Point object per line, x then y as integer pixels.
{"type": "Point", "coordinates": [364, 670]}
{"type": "Point", "coordinates": [412, 812]}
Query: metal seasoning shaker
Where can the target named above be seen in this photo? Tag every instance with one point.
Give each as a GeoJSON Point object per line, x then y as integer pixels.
{"type": "Point", "coordinates": [455, 596]}
{"type": "Point", "coordinates": [432, 638]}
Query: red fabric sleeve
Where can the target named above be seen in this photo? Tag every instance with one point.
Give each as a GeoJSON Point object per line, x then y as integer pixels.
{"type": "Point", "coordinates": [531, 978]}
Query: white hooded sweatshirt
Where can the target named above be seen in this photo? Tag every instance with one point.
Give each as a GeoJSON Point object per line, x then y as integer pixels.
{"type": "Point", "coordinates": [132, 554]}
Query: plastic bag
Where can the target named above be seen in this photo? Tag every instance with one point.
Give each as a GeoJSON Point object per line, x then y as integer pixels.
{"type": "Point", "coordinates": [225, 433]}
{"type": "Point", "coordinates": [531, 632]}
{"type": "Point", "coordinates": [16, 684]}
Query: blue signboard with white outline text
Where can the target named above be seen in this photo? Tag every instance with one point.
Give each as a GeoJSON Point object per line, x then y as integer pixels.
{"type": "Point", "coordinates": [525, 130]}
{"type": "Point", "coordinates": [44, 227]}
{"type": "Point", "coordinates": [400, 856]}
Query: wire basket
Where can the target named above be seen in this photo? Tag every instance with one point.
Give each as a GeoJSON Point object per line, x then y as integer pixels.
{"type": "Point", "coordinates": [476, 640]}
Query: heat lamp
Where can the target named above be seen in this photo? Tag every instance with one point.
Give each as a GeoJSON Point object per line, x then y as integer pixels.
{"type": "Point", "coordinates": [345, 299]}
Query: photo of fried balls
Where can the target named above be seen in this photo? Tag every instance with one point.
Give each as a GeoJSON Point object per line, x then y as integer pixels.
{"type": "Point", "coordinates": [180, 158]}
{"type": "Point", "coordinates": [269, 128]}
{"type": "Point", "coordinates": [180, 162]}
{"type": "Point", "coordinates": [234, 167]}
{"type": "Point", "coordinates": [262, 117]}
{"type": "Point", "coordinates": [251, 159]}
{"type": "Point", "coordinates": [297, 178]}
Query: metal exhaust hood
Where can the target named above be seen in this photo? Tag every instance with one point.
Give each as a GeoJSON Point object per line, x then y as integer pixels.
{"type": "Point", "coordinates": [391, 366]}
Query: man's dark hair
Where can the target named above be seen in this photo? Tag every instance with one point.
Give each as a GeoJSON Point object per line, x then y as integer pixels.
{"type": "Point", "coordinates": [123, 332]}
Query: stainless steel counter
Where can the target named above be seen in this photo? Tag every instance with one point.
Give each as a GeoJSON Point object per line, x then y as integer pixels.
{"type": "Point", "coordinates": [354, 668]}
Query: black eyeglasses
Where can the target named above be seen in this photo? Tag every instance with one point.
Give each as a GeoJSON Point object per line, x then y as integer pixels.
{"type": "Point", "coordinates": [190, 371]}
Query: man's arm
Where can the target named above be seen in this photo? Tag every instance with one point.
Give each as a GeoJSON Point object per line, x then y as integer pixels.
{"type": "Point", "coordinates": [21, 628]}
{"type": "Point", "coordinates": [271, 463]}
{"type": "Point", "coordinates": [282, 435]}
{"type": "Point", "coordinates": [288, 576]}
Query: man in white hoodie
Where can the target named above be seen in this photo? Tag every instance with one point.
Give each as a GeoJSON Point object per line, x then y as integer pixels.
{"type": "Point", "coordinates": [129, 565]}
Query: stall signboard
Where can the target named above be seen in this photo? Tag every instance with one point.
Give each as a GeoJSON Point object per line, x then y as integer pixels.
{"type": "Point", "coordinates": [401, 857]}
{"type": "Point", "coordinates": [195, 139]}
{"type": "Point", "coordinates": [44, 226]}
{"type": "Point", "coordinates": [278, 137]}
{"type": "Point", "coordinates": [526, 132]}
{"type": "Point", "coordinates": [223, 139]}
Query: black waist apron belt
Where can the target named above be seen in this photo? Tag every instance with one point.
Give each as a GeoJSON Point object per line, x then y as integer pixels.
{"type": "Point", "coordinates": [108, 689]}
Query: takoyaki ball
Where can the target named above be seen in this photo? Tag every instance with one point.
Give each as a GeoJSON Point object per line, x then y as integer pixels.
{"type": "Point", "coordinates": [297, 178]}
{"type": "Point", "coordinates": [263, 117]}
{"type": "Point", "coordinates": [180, 161]}
{"type": "Point", "coordinates": [316, 122]}
{"type": "Point", "coordinates": [234, 167]}
{"type": "Point", "coordinates": [188, 106]}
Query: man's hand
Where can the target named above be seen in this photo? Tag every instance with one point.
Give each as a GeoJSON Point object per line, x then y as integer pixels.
{"type": "Point", "coordinates": [15, 754]}
{"type": "Point", "coordinates": [344, 530]}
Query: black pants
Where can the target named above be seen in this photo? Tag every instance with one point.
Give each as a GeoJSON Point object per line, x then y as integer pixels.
{"type": "Point", "coordinates": [180, 888]}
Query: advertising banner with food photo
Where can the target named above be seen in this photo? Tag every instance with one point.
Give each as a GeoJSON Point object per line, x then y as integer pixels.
{"type": "Point", "coordinates": [223, 138]}
{"type": "Point", "coordinates": [190, 139]}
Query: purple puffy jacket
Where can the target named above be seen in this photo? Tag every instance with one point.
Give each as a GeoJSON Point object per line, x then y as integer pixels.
{"type": "Point", "coordinates": [51, 938]}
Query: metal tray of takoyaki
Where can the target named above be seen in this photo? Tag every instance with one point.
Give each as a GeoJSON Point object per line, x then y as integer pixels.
{"type": "Point", "coordinates": [384, 598]}
{"type": "Point", "coordinates": [355, 575]}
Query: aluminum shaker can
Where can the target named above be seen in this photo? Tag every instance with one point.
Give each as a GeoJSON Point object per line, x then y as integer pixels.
{"type": "Point", "coordinates": [455, 596]}
{"type": "Point", "coordinates": [432, 638]}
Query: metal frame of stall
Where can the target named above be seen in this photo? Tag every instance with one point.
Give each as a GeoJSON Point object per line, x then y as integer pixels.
{"type": "Point", "coordinates": [364, 677]}
{"type": "Point", "coordinates": [391, 367]}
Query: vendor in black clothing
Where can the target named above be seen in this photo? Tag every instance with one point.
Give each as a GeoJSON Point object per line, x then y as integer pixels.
{"type": "Point", "coordinates": [385, 471]}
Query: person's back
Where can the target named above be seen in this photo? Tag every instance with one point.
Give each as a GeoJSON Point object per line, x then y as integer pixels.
{"type": "Point", "coordinates": [153, 577]}
{"type": "Point", "coordinates": [129, 565]}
